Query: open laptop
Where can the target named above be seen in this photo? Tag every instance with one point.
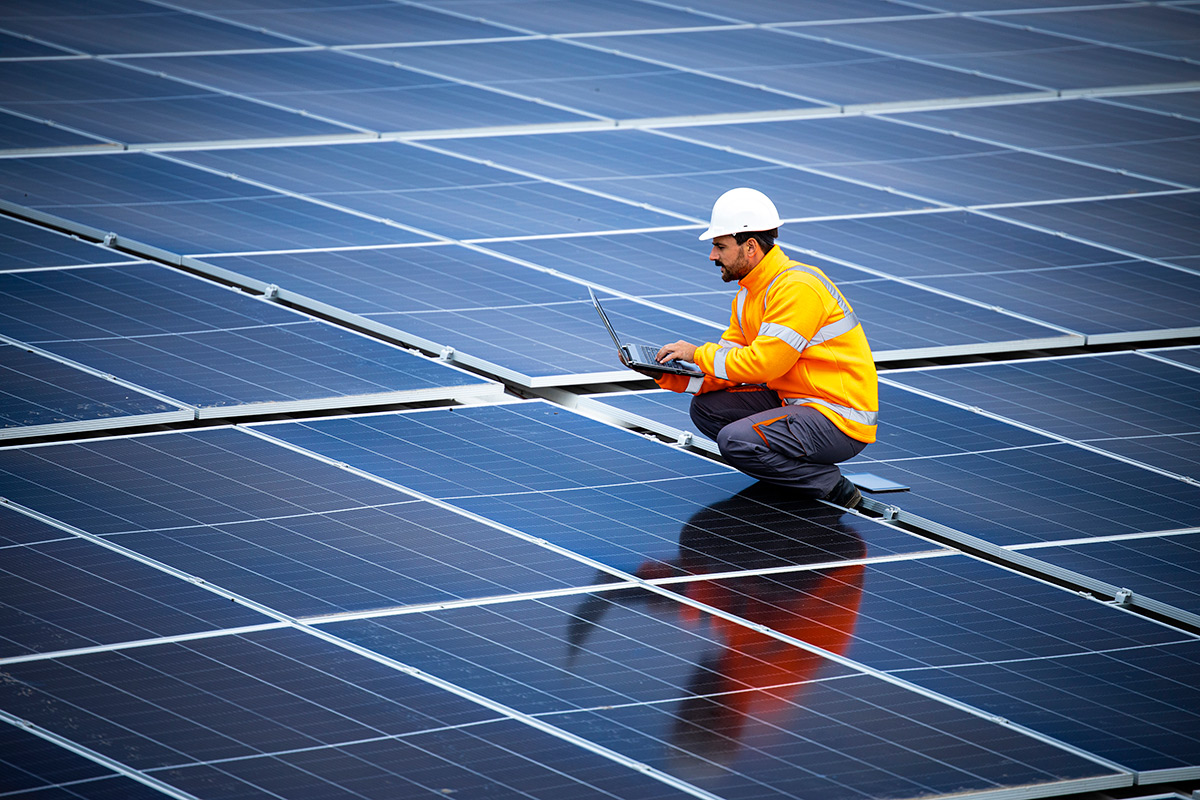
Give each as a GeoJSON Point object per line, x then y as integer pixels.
{"type": "Point", "coordinates": [642, 355]}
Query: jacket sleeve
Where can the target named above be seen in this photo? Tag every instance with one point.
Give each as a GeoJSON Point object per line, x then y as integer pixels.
{"type": "Point", "coordinates": [682, 383]}
{"type": "Point", "coordinates": [795, 311]}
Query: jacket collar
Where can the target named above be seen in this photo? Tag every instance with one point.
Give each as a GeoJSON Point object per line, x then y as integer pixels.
{"type": "Point", "coordinates": [765, 271]}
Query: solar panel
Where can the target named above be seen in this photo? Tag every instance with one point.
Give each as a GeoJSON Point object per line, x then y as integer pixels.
{"type": "Point", "coordinates": [362, 92]}
{"type": "Point", "coordinates": [589, 80]}
{"type": "Point", "coordinates": [1087, 398]}
{"type": "Point", "coordinates": [922, 163]}
{"type": "Point", "coordinates": [1161, 567]}
{"type": "Point", "coordinates": [1142, 143]}
{"type": "Point", "coordinates": [128, 105]}
{"type": "Point", "coordinates": [1159, 227]}
{"type": "Point", "coordinates": [45, 397]}
{"type": "Point", "coordinates": [28, 246]}
{"type": "Point", "coordinates": [817, 69]}
{"type": "Point", "coordinates": [446, 196]}
{"type": "Point", "coordinates": [1010, 53]}
{"type": "Point", "coordinates": [216, 351]}
{"type": "Point", "coordinates": [158, 202]}
{"type": "Point", "coordinates": [75, 594]}
{"type": "Point", "coordinates": [1163, 30]}
{"type": "Point", "coordinates": [19, 132]}
{"type": "Point", "coordinates": [130, 27]}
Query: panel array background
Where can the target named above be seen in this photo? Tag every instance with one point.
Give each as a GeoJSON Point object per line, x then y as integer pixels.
{"type": "Point", "coordinates": [317, 218]}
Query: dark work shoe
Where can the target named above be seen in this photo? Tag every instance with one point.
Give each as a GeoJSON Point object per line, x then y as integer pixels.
{"type": "Point", "coordinates": [844, 494]}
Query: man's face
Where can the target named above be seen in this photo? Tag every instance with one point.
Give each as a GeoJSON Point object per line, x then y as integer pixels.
{"type": "Point", "coordinates": [731, 258]}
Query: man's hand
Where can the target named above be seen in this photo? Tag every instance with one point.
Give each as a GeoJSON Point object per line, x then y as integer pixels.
{"type": "Point", "coordinates": [676, 351]}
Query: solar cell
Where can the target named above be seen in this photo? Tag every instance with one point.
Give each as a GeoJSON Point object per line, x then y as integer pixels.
{"type": "Point", "coordinates": [43, 397]}
{"type": "Point", "coordinates": [19, 132]}
{"type": "Point", "coordinates": [1183, 104]}
{"type": "Point", "coordinates": [545, 16]}
{"type": "Point", "coordinates": [363, 92]}
{"type": "Point", "coordinates": [1187, 356]}
{"type": "Point", "coordinates": [106, 99]}
{"type": "Point", "coordinates": [816, 69]}
{"type": "Point", "coordinates": [217, 351]}
{"type": "Point", "coordinates": [589, 80]}
{"type": "Point", "coordinates": [815, 11]}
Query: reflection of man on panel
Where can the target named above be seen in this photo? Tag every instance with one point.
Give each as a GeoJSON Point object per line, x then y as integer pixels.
{"type": "Point", "coordinates": [790, 390]}
{"type": "Point", "coordinates": [751, 675]}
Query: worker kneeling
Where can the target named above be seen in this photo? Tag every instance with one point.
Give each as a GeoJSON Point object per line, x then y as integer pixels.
{"type": "Point", "coordinates": [790, 391]}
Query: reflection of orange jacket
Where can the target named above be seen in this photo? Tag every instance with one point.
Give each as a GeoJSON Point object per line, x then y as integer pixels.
{"type": "Point", "coordinates": [792, 330]}
{"type": "Point", "coordinates": [821, 613]}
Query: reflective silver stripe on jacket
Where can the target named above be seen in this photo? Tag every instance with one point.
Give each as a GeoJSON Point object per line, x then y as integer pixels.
{"type": "Point", "coordinates": [852, 414]}
{"type": "Point", "coordinates": [723, 349]}
{"type": "Point", "coordinates": [694, 384]}
{"type": "Point", "coordinates": [784, 334]}
{"type": "Point", "coordinates": [789, 336]}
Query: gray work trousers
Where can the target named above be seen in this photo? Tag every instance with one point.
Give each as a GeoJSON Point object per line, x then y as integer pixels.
{"type": "Point", "coordinates": [793, 446]}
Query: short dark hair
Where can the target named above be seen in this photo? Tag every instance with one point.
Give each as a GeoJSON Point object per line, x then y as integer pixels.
{"type": "Point", "coordinates": [765, 239]}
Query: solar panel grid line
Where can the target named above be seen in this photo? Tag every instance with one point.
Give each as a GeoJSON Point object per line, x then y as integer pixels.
{"type": "Point", "coordinates": [1157, 356]}
{"type": "Point", "coordinates": [98, 758]}
{"type": "Point", "coordinates": [1116, 537]}
{"type": "Point", "coordinates": [1057, 156]}
{"type": "Point", "coordinates": [742, 622]}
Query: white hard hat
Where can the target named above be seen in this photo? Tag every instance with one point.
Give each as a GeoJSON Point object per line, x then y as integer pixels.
{"type": "Point", "coordinates": [740, 210]}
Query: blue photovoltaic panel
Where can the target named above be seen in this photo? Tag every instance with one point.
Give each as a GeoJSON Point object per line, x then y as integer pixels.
{"type": "Point", "coordinates": [370, 548]}
{"type": "Point", "coordinates": [933, 245]}
{"type": "Point", "coordinates": [924, 163]}
{"type": "Point", "coordinates": [656, 410]}
{"type": "Point", "coordinates": [17, 132]}
{"type": "Point", "coordinates": [1163, 568]}
{"type": "Point", "coordinates": [131, 106]}
{"type": "Point", "coordinates": [40, 396]}
{"type": "Point", "coordinates": [169, 205]}
{"type": "Point", "coordinates": [1072, 700]}
{"type": "Point", "coordinates": [473, 451]}
{"type": "Point", "coordinates": [546, 16]}
{"type": "Point", "coordinates": [333, 23]}
{"type": "Point", "coordinates": [259, 714]}
{"type": "Point", "coordinates": [733, 711]}
{"type": "Point", "coordinates": [675, 176]}
{"type": "Point", "coordinates": [587, 487]}
{"type": "Point", "coordinates": [441, 194]}
{"type": "Point", "coordinates": [129, 26]}
{"type": "Point", "coordinates": [13, 47]}
{"type": "Point", "coordinates": [1155, 227]}
{"type": "Point", "coordinates": [1010, 53]}
{"type": "Point", "coordinates": [1184, 104]}
{"type": "Point", "coordinates": [811, 68]}
{"type": "Point", "coordinates": [1126, 301]}
{"type": "Point", "coordinates": [18, 529]}
{"type": "Point", "coordinates": [205, 346]}
{"type": "Point", "coordinates": [26, 246]}
{"type": "Point", "coordinates": [582, 78]}
{"type": "Point", "coordinates": [71, 593]}
{"type": "Point", "coordinates": [360, 92]}
{"type": "Point", "coordinates": [1178, 454]}
{"type": "Point", "coordinates": [32, 764]}
{"type": "Point", "coordinates": [1146, 144]}
{"type": "Point", "coordinates": [1188, 356]}
{"type": "Point", "coordinates": [1035, 494]}
{"type": "Point", "coordinates": [1163, 30]}
{"type": "Point", "coordinates": [1120, 395]}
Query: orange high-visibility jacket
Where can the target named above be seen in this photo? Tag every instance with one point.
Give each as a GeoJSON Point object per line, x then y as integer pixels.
{"type": "Point", "coordinates": [792, 330]}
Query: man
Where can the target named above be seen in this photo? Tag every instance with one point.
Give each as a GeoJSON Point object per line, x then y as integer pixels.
{"type": "Point", "coordinates": [790, 390]}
